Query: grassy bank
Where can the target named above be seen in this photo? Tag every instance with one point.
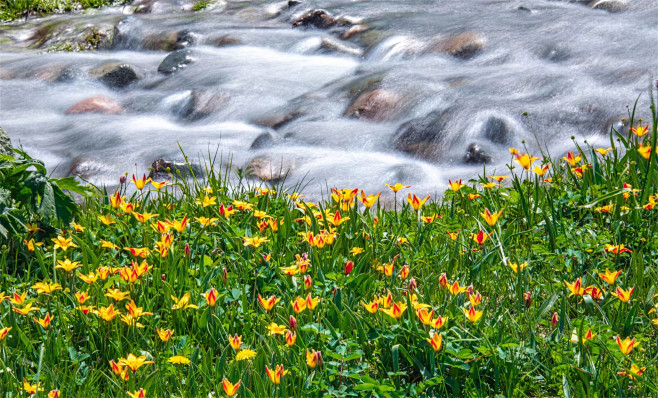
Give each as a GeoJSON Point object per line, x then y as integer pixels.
{"type": "Point", "coordinates": [537, 282]}
{"type": "Point", "coordinates": [16, 9]}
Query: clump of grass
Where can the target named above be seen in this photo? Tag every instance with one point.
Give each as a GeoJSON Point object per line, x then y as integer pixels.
{"type": "Point", "coordinates": [531, 283]}
{"type": "Point", "coordinates": [15, 9]}
{"type": "Point", "coordinates": [200, 5]}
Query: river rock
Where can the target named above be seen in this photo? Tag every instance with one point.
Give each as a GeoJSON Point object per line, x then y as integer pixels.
{"type": "Point", "coordinates": [354, 30]}
{"type": "Point", "coordinates": [378, 105]}
{"type": "Point", "coordinates": [97, 104]}
{"type": "Point", "coordinates": [334, 46]}
{"type": "Point", "coordinates": [278, 118]}
{"type": "Point", "coordinates": [476, 155]}
{"type": "Point", "coordinates": [6, 74]}
{"type": "Point", "coordinates": [620, 124]}
{"type": "Point", "coordinates": [56, 73]}
{"type": "Point", "coordinates": [463, 45]}
{"type": "Point", "coordinates": [175, 61]}
{"type": "Point", "coordinates": [201, 104]}
{"type": "Point", "coordinates": [269, 168]}
{"type": "Point", "coordinates": [320, 19]}
{"type": "Point", "coordinates": [497, 130]}
{"type": "Point", "coordinates": [265, 140]}
{"type": "Point", "coordinates": [168, 41]}
{"type": "Point", "coordinates": [609, 5]}
{"type": "Point", "coordinates": [422, 137]}
{"type": "Point", "coordinates": [161, 169]}
{"type": "Point", "coordinates": [554, 53]}
{"type": "Point", "coordinates": [224, 40]}
{"type": "Point", "coordinates": [5, 143]}
{"type": "Point", "coordinates": [114, 74]}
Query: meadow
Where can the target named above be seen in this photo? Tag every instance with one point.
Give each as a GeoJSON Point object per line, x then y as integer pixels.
{"type": "Point", "coordinates": [540, 281]}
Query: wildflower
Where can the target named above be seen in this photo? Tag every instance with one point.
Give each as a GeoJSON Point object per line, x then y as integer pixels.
{"type": "Point", "coordinates": [107, 313]}
{"type": "Point", "coordinates": [488, 185]}
{"type": "Point", "coordinates": [31, 244]}
{"type": "Point", "coordinates": [456, 289]}
{"type": "Point", "coordinates": [308, 282]}
{"type": "Point", "coordinates": [439, 322]}
{"type": "Point", "coordinates": [178, 360]}
{"type": "Point", "coordinates": [108, 245]}
{"type": "Point", "coordinates": [44, 322]}
{"type": "Point", "coordinates": [387, 301]}
{"type": "Point", "coordinates": [63, 243]}
{"type": "Point", "coordinates": [255, 241]}
{"type": "Point", "coordinates": [453, 235]}
{"type": "Point", "coordinates": [517, 267]}
{"type": "Point", "coordinates": [33, 228]}
{"type": "Point", "coordinates": [89, 278]}
{"type": "Point", "coordinates": [245, 354]}
{"type": "Point", "coordinates": [141, 182]}
{"type": "Point", "coordinates": [372, 306]}
{"type": "Point", "coordinates": [616, 249]}
{"type": "Point", "coordinates": [456, 185]}
{"type": "Point", "coordinates": [397, 187]}
{"type": "Point", "coordinates": [298, 305]}
{"type": "Point", "coordinates": [416, 304]}
{"type": "Point", "coordinates": [624, 295]}
{"type": "Point", "coordinates": [575, 288]}
{"type": "Point", "coordinates": [311, 303]}
{"type": "Point", "coordinates": [207, 201]}
{"type": "Point", "coordinates": [370, 200]}
{"type": "Point", "coordinates": [472, 315]}
{"type": "Point", "coordinates": [275, 375]}
{"type": "Point", "coordinates": [134, 362]}
{"type": "Point", "coordinates": [313, 358]}
{"type": "Point", "coordinates": [159, 185]}
{"type": "Point", "coordinates": [82, 297]}
{"type": "Point", "coordinates": [183, 303]}
{"type": "Point", "coordinates": [229, 388]}
{"type": "Point", "coordinates": [387, 268]}
{"type": "Point", "coordinates": [25, 310]}
{"type": "Point", "coordinates": [415, 202]}
{"type": "Point", "coordinates": [436, 341]}
{"type": "Point", "coordinates": [626, 345]}
{"type": "Point", "coordinates": [610, 277]}
{"type": "Point", "coordinates": [525, 160]}
{"type": "Point", "coordinates": [554, 319]}
{"type": "Point", "coordinates": [475, 299]}
{"type": "Point", "coordinates": [205, 222]}
{"type": "Point", "coordinates": [141, 393]}
{"type": "Point", "coordinates": [404, 272]}
{"type": "Point", "coordinates": [129, 274]}
{"type": "Point", "coordinates": [395, 311]}
{"type": "Point", "coordinates": [499, 179]}
{"type": "Point", "coordinates": [107, 219]}
{"type": "Point", "coordinates": [117, 295]}
{"type": "Point", "coordinates": [211, 297]}
{"type": "Point", "coordinates": [634, 371]}
{"type": "Point", "coordinates": [595, 292]}
{"type": "Point", "coordinates": [481, 237]}
{"type": "Point", "coordinates": [31, 388]}
{"type": "Point", "coordinates": [589, 335]}
{"type": "Point", "coordinates": [240, 205]}
{"type": "Point", "coordinates": [513, 151]}
{"type": "Point", "coordinates": [4, 332]}
{"type": "Point", "coordinates": [46, 287]}
{"type": "Point", "coordinates": [602, 151]}
{"type": "Point", "coordinates": [443, 280]}
{"type": "Point", "coordinates": [77, 227]}
{"type": "Point", "coordinates": [572, 159]}
{"type": "Point", "coordinates": [164, 334]}
{"type": "Point", "coordinates": [53, 394]}
{"type": "Point", "coordinates": [491, 218]}
{"type": "Point", "coordinates": [644, 151]}
{"type": "Point", "coordinates": [136, 311]}
{"type": "Point", "coordinates": [640, 131]}
{"type": "Point", "coordinates": [424, 316]}
{"type": "Point", "coordinates": [541, 171]}
{"type": "Point", "coordinates": [348, 267]}
{"type": "Point", "coordinates": [269, 303]}
{"type": "Point", "coordinates": [356, 251]}
{"type": "Point", "coordinates": [127, 207]}
{"type": "Point", "coordinates": [291, 337]}
{"type": "Point", "coordinates": [275, 329]}
{"type": "Point", "coordinates": [430, 219]}
{"type": "Point", "coordinates": [143, 217]}
{"type": "Point", "coordinates": [473, 196]}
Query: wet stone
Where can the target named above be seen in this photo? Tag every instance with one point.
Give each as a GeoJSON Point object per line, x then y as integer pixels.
{"type": "Point", "coordinates": [115, 74]}
{"type": "Point", "coordinates": [175, 61]}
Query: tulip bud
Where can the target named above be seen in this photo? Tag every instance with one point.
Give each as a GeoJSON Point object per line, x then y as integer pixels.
{"type": "Point", "coordinates": [122, 179]}
{"type": "Point", "coordinates": [469, 289]}
{"type": "Point", "coordinates": [412, 284]}
{"type": "Point", "coordinates": [554, 319]}
{"type": "Point", "coordinates": [308, 281]}
{"type": "Point", "coordinates": [335, 290]}
{"type": "Point", "coordinates": [224, 274]}
{"type": "Point", "coordinates": [443, 280]}
{"type": "Point", "coordinates": [348, 267]}
{"type": "Point", "coordinates": [305, 256]}
{"type": "Point", "coordinates": [527, 298]}
{"type": "Point", "coordinates": [292, 323]}
{"type": "Point", "coordinates": [188, 251]}
{"type": "Point", "coordinates": [318, 358]}
{"type": "Point", "coordinates": [163, 277]}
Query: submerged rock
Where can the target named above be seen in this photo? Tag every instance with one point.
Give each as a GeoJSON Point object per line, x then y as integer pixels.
{"type": "Point", "coordinates": [354, 30]}
{"type": "Point", "coordinates": [320, 19]}
{"type": "Point", "coordinates": [463, 45]}
{"type": "Point", "coordinates": [378, 105]}
{"type": "Point", "coordinates": [265, 140]}
{"type": "Point", "coordinates": [278, 119]}
{"type": "Point", "coordinates": [114, 74]}
{"type": "Point", "coordinates": [609, 5]}
{"type": "Point", "coordinates": [476, 155]}
{"type": "Point", "coordinates": [175, 61]}
{"type": "Point", "coordinates": [338, 47]}
{"type": "Point", "coordinates": [497, 130]}
{"type": "Point", "coordinates": [168, 41]}
{"type": "Point", "coordinates": [422, 137]}
{"type": "Point", "coordinates": [99, 104]}
{"type": "Point", "coordinates": [201, 104]}
{"type": "Point", "coordinates": [161, 169]}
{"type": "Point", "coordinates": [5, 143]}
{"type": "Point", "coordinates": [269, 168]}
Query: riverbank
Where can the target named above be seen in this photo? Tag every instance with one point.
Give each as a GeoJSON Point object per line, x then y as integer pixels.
{"type": "Point", "coordinates": [539, 281]}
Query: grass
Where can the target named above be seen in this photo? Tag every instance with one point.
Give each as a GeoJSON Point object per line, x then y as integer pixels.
{"type": "Point", "coordinates": [533, 336]}
{"type": "Point", "coordinates": [16, 9]}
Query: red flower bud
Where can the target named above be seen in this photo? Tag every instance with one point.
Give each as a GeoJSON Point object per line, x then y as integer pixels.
{"type": "Point", "coordinates": [527, 298]}
{"type": "Point", "coordinates": [163, 277]}
{"type": "Point", "coordinates": [348, 267]}
{"type": "Point", "coordinates": [224, 274]}
{"type": "Point", "coordinates": [122, 179]}
{"type": "Point", "coordinates": [412, 284]}
{"type": "Point", "coordinates": [554, 319]}
{"type": "Point", "coordinates": [292, 323]}
{"type": "Point", "coordinates": [188, 251]}
{"type": "Point", "coordinates": [443, 280]}
{"type": "Point", "coordinates": [335, 290]}
{"type": "Point", "coordinates": [469, 289]}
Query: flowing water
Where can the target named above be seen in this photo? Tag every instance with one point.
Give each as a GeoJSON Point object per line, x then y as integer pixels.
{"type": "Point", "coordinates": [570, 67]}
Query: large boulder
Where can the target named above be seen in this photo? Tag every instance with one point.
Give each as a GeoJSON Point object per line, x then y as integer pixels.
{"type": "Point", "coordinates": [422, 137]}
{"type": "Point", "coordinates": [99, 104]}
{"type": "Point", "coordinates": [378, 105]}
{"type": "Point", "coordinates": [269, 168]}
{"type": "Point", "coordinates": [475, 154]}
{"type": "Point", "coordinates": [5, 143]}
{"type": "Point", "coordinates": [609, 5]}
{"type": "Point", "coordinates": [497, 130]}
{"type": "Point", "coordinates": [175, 61]}
{"type": "Point", "coordinates": [114, 74]}
{"type": "Point", "coordinates": [320, 19]}
{"type": "Point", "coordinates": [463, 45]}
